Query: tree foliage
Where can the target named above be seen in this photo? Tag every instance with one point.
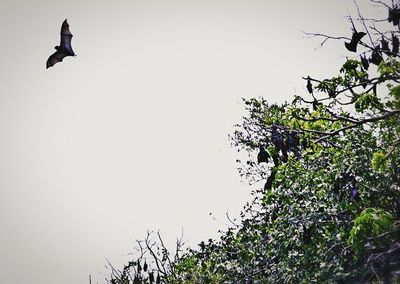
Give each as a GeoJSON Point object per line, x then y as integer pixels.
{"type": "Point", "coordinates": [328, 209]}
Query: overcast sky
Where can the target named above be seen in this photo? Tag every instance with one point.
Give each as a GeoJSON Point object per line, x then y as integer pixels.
{"type": "Point", "coordinates": [131, 134]}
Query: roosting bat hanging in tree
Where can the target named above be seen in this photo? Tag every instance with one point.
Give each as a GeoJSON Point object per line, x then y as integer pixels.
{"type": "Point", "coordinates": [262, 156]}
{"type": "Point", "coordinates": [394, 15]}
{"type": "Point", "coordinates": [364, 62]}
{"type": "Point", "coordinates": [395, 44]}
{"type": "Point", "coordinates": [309, 85]}
{"type": "Point", "coordinates": [355, 39]}
{"type": "Point", "coordinates": [65, 48]}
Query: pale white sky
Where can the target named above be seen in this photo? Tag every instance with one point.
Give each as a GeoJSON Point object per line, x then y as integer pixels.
{"type": "Point", "coordinates": [132, 133]}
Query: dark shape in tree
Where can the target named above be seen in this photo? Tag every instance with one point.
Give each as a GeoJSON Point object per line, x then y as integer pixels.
{"type": "Point", "coordinates": [331, 93]}
{"type": "Point", "coordinates": [394, 16]}
{"type": "Point", "coordinates": [284, 154]}
{"type": "Point", "coordinates": [280, 145]}
{"type": "Point", "coordinates": [64, 49]}
{"type": "Point", "coordinates": [309, 85]}
{"type": "Point", "coordinates": [364, 62]}
{"type": "Point", "coordinates": [307, 234]}
{"type": "Point", "coordinates": [292, 140]}
{"type": "Point", "coordinates": [354, 192]}
{"type": "Point", "coordinates": [344, 182]}
{"type": "Point", "coordinates": [263, 156]}
{"type": "Point", "coordinates": [354, 188]}
{"type": "Point", "coordinates": [270, 180]}
{"type": "Point", "coordinates": [145, 267]}
{"type": "Point", "coordinates": [315, 105]}
{"type": "Point", "coordinates": [304, 143]}
{"type": "Point", "coordinates": [151, 277]}
{"type": "Point", "coordinates": [364, 82]}
{"type": "Point", "coordinates": [385, 45]}
{"type": "Point", "coordinates": [337, 186]}
{"type": "Point", "coordinates": [376, 57]}
{"type": "Point", "coordinates": [275, 137]}
{"type": "Point", "coordinates": [158, 279]}
{"type": "Point", "coordinates": [355, 39]}
{"type": "Point", "coordinates": [395, 44]}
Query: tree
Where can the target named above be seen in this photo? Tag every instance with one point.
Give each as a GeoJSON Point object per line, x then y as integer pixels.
{"type": "Point", "coordinates": [329, 208]}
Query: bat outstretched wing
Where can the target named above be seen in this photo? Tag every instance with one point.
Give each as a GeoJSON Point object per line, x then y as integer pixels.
{"type": "Point", "coordinates": [56, 57]}
{"type": "Point", "coordinates": [66, 37]}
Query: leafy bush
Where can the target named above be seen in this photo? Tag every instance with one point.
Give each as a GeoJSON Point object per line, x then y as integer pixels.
{"type": "Point", "coordinates": [368, 226]}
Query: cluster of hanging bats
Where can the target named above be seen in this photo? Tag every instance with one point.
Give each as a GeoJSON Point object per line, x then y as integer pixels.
{"type": "Point", "coordinates": [376, 55]}
{"type": "Point", "coordinates": [285, 141]}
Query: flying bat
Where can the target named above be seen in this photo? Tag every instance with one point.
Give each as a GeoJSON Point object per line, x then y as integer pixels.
{"type": "Point", "coordinates": [64, 49]}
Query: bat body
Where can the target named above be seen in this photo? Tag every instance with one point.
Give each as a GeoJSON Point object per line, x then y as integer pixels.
{"type": "Point", "coordinates": [355, 39]}
{"type": "Point", "coordinates": [262, 156]}
{"type": "Point", "coordinates": [395, 44]}
{"type": "Point", "coordinates": [307, 232]}
{"type": "Point", "coordinates": [376, 57]}
{"type": "Point", "coordinates": [394, 15]}
{"type": "Point", "coordinates": [364, 62]}
{"type": "Point", "coordinates": [385, 45]}
{"type": "Point", "coordinates": [309, 85]}
{"type": "Point", "coordinates": [64, 49]}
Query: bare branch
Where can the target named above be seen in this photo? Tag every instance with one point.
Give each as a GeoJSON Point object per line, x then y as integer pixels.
{"type": "Point", "coordinates": [325, 37]}
{"type": "Point", "coordinates": [360, 122]}
{"type": "Point", "coordinates": [381, 3]}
